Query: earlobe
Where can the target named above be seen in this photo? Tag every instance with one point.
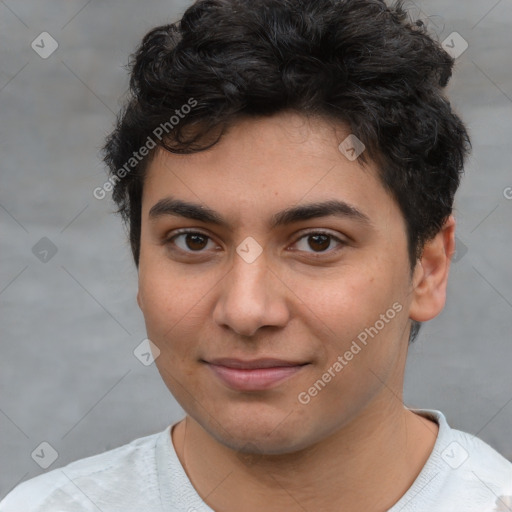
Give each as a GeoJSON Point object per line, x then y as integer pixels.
{"type": "Point", "coordinates": [431, 274]}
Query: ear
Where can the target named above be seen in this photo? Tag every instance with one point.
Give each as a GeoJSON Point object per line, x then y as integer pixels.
{"type": "Point", "coordinates": [431, 274]}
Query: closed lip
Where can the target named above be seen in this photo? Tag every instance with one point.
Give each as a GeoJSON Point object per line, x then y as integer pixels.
{"type": "Point", "coordinates": [255, 374]}
{"type": "Point", "coordinates": [252, 364]}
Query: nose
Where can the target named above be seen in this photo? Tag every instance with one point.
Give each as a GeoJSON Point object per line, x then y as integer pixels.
{"type": "Point", "coordinates": [251, 296]}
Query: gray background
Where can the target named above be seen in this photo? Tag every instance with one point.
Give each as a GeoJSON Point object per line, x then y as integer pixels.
{"type": "Point", "coordinates": [68, 375]}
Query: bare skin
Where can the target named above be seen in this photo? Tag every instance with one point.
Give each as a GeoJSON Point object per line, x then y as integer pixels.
{"type": "Point", "coordinates": [353, 446]}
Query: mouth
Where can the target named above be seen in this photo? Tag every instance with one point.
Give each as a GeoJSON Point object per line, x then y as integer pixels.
{"type": "Point", "coordinates": [254, 375]}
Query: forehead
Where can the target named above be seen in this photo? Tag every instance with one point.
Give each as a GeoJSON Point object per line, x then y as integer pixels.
{"type": "Point", "coordinates": [267, 164]}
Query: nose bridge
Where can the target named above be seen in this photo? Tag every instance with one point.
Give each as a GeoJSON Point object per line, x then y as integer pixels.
{"type": "Point", "coordinates": [248, 299]}
{"type": "Point", "coordinates": [250, 267]}
{"type": "Point", "coordinates": [248, 281]}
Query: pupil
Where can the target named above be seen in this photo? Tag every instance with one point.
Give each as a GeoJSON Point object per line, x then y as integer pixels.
{"type": "Point", "coordinates": [325, 239]}
{"type": "Point", "coordinates": [195, 241]}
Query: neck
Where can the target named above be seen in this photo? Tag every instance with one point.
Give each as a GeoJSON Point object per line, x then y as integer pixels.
{"type": "Point", "coordinates": [382, 450]}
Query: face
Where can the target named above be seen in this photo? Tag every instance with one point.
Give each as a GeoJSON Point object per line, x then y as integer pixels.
{"type": "Point", "coordinates": [275, 329]}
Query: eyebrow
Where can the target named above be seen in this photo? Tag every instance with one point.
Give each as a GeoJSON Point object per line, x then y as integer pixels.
{"type": "Point", "coordinates": [189, 210]}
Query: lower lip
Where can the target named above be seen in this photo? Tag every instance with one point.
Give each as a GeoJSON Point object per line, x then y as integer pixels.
{"type": "Point", "coordinates": [257, 379]}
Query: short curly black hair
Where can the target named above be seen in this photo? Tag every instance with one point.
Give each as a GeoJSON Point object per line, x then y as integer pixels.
{"type": "Point", "coordinates": [359, 62]}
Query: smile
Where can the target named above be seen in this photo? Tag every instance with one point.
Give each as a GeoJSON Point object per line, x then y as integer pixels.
{"type": "Point", "coordinates": [253, 375]}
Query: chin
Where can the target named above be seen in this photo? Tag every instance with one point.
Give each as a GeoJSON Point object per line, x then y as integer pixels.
{"type": "Point", "coordinates": [259, 432]}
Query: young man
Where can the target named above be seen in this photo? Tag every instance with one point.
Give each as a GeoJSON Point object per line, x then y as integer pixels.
{"type": "Point", "coordinates": [287, 170]}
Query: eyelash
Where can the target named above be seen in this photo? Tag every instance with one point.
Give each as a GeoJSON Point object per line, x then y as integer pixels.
{"type": "Point", "coordinates": [179, 232]}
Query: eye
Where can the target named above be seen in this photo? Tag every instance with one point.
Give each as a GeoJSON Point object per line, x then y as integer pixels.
{"type": "Point", "coordinates": [319, 241]}
{"type": "Point", "coordinates": [191, 241]}
{"type": "Point", "coordinates": [196, 242]}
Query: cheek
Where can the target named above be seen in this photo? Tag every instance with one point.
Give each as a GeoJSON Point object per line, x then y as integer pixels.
{"type": "Point", "coordinates": [177, 309]}
{"type": "Point", "coordinates": [171, 308]}
{"type": "Point", "coordinates": [168, 292]}
{"type": "Point", "coordinates": [359, 317]}
{"type": "Point", "coordinates": [347, 300]}
{"type": "Point", "coordinates": [166, 306]}
{"type": "Point", "coordinates": [361, 363]}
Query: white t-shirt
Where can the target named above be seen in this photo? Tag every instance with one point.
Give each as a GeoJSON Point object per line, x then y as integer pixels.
{"type": "Point", "coordinates": [462, 474]}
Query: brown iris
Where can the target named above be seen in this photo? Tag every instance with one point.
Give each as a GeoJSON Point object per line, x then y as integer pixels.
{"type": "Point", "coordinates": [322, 240]}
{"type": "Point", "coordinates": [193, 241]}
